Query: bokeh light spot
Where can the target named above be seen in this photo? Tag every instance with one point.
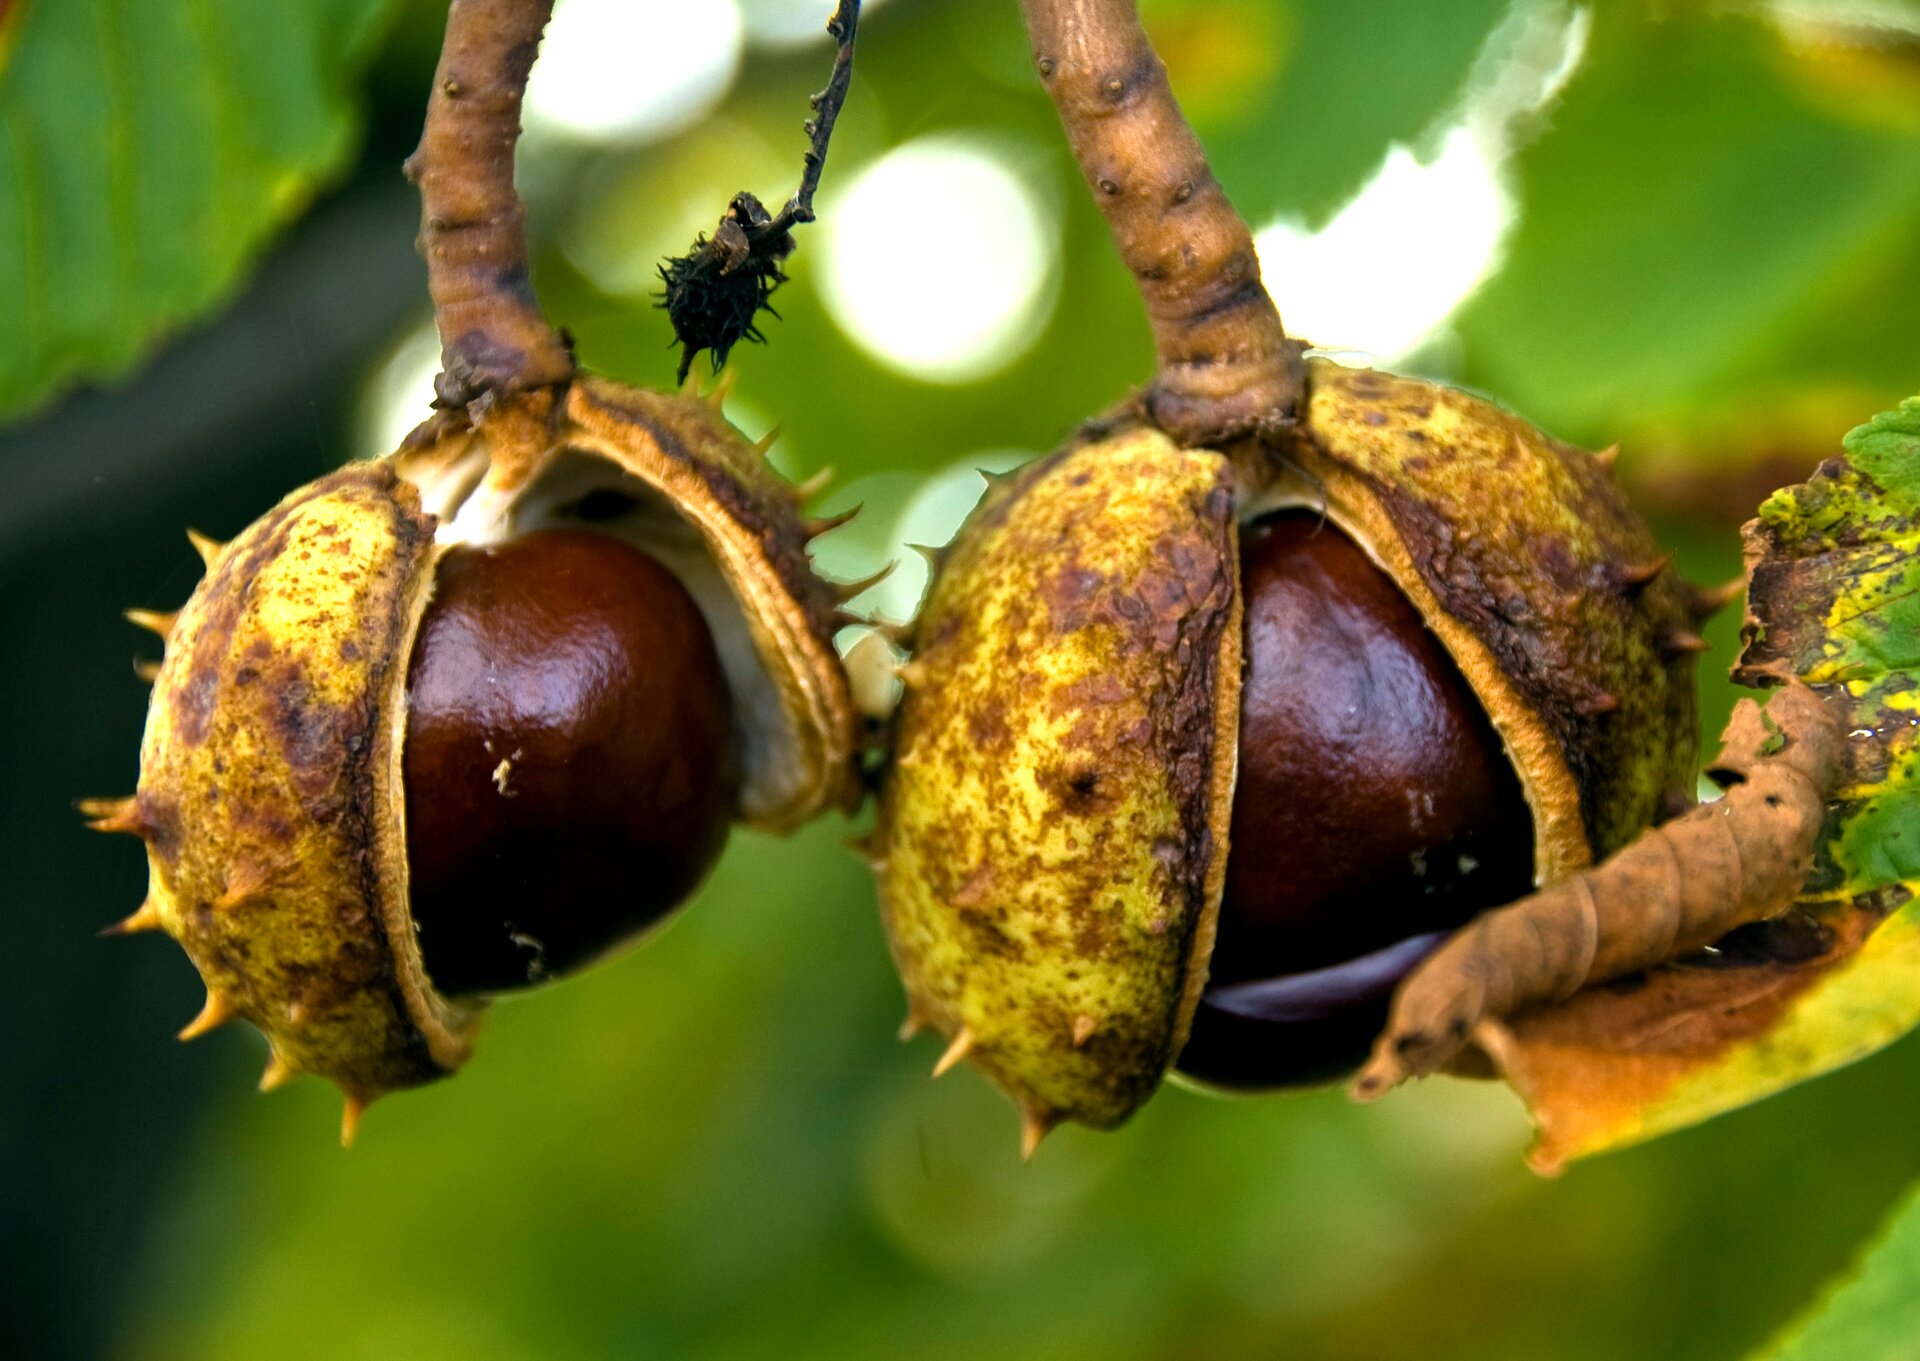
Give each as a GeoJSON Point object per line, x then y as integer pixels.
{"type": "Point", "coordinates": [941, 260]}
{"type": "Point", "coordinates": [399, 392]}
{"type": "Point", "coordinates": [1409, 281]}
{"type": "Point", "coordinates": [632, 70]}
{"type": "Point", "coordinates": [792, 23]}
{"type": "Point", "coordinates": [1423, 234]}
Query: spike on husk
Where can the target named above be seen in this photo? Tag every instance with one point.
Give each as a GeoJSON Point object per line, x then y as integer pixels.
{"type": "Point", "coordinates": [146, 917]}
{"type": "Point", "coordinates": [957, 1050]}
{"type": "Point", "coordinates": [121, 816]}
{"type": "Point", "coordinates": [352, 1109]}
{"type": "Point", "coordinates": [810, 486]}
{"type": "Point", "coordinates": [278, 1073]}
{"type": "Point", "coordinates": [209, 549]}
{"type": "Point", "coordinates": [219, 1009]}
{"type": "Point", "coordinates": [911, 673]}
{"type": "Point", "coordinates": [1634, 577]}
{"type": "Point", "coordinates": [847, 590]}
{"type": "Point", "coordinates": [1035, 1125]}
{"type": "Point", "coordinates": [1703, 602]}
{"type": "Point", "coordinates": [826, 524]}
{"type": "Point", "coordinates": [158, 622]}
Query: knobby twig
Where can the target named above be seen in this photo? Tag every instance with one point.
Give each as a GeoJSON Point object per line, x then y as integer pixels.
{"type": "Point", "coordinates": [494, 341]}
{"type": "Point", "coordinates": [1676, 888]}
{"type": "Point", "coordinates": [1225, 366]}
{"type": "Point", "coordinates": [715, 291]}
{"type": "Point", "coordinates": [843, 27]}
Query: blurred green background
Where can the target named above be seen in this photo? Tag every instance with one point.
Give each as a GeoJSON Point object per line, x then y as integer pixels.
{"type": "Point", "coordinates": [1692, 228]}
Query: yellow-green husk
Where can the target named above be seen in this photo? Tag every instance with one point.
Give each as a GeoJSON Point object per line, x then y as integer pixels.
{"type": "Point", "coordinates": [1086, 623]}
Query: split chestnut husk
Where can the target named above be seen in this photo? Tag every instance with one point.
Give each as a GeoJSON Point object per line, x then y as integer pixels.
{"type": "Point", "coordinates": [1102, 788]}
{"type": "Point", "coordinates": [466, 717]}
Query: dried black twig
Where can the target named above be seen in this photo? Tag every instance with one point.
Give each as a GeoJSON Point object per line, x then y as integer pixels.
{"type": "Point", "coordinates": [714, 292]}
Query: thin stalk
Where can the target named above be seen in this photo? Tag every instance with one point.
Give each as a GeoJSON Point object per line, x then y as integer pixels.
{"type": "Point", "coordinates": [494, 340]}
{"type": "Point", "coordinates": [1226, 368]}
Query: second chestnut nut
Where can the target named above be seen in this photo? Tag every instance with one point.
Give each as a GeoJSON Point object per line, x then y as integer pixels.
{"type": "Point", "coordinates": [1373, 812]}
{"type": "Point", "coordinates": [1200, 751]}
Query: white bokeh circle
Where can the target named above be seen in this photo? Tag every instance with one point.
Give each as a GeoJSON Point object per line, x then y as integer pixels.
{"type": "Point", "coordinates": [792, 23]}
{"type": "Point", "coordinates": [1422, 236]}
{"type": "Point", "coordinates": [632, 70]}
{"type": "Point", "coordinates": [398, 394]}
{"type": "Point", "coordinates": [941, 260]}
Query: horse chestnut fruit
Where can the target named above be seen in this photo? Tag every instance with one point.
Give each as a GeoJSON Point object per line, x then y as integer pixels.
{"type": "Point", "coordinates": [463, 718]}
{"type": "Point", "coordinates": [1173, 762]}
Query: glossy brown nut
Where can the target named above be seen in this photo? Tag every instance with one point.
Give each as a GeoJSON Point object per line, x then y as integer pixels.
{"type": "Point", "coordinates": [1374, 801]}
{"type": "Point", "coordinates": [1295, 1029]}
{"type": "Point", "coordinates": [1374, 804]}
{"type": "Point", "coordinates": [570, 766]}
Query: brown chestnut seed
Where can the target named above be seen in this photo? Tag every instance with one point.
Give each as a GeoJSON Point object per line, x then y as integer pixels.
{"type": "Point", "coordinates": [1374, 804]}
{"type": "Point", "coordinates": [570, 765]}
{"type": "Point", "coordinates": [1302, 1028]}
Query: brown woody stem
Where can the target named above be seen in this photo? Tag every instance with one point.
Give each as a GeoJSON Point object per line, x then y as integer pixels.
{"type": "Point", "coordinates": [494, 341]}
{"type": "Point", "coordinates": [1676, 888]}
{"type": "Point", "coordinates": [1225, 366]}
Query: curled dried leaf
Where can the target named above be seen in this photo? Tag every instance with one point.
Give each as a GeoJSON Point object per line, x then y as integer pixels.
{"type": "Point", "coordinates": [1834, 608]}
{"type": "Point", "coordinates": [1678, 888]}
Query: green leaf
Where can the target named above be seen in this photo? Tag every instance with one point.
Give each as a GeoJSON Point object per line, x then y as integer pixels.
{"type": "Point", "coordinates": [1711, 238]}
{"type": "Point", "coordinates": [1874, 1313]}
{"type": "Point", "coordinates": [1837, 586]}
{"type": "Point", "coordinates": [148, 150]}
{"type": "Point", "coordinates": [1298, 104]}
{"type": "Point", "coordinates": [1833, 601]}
{"type": "Point", "coordinates": [1887, 450]}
